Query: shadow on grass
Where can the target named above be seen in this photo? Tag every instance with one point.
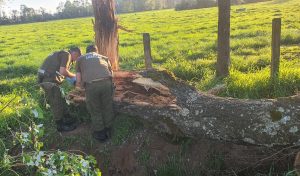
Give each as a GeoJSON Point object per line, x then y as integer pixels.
{"type": "Point", "coordinates": [8, 87]}
{"type": "Point", "coordinates": [3, 56]}
{"type": "Point", "coordinates": [88, 42]}
{"type": "Point", "coordinates": [17, 71]}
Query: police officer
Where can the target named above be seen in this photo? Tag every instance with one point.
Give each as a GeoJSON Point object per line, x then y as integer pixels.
{"type": "Point", "coordinates": [93, 72]}
{"type": "Point", "coordinates": [50, 75]}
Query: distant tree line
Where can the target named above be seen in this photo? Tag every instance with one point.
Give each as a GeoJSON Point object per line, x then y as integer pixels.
{"type": "Point", "coordinates": [79, 8]}
{"type": "Point", "coordinates": [197, 4]}
{"type": "Point", "coordinates": [125, 6]}
{"type": "Point", "coordinates": [83, 8]}
{"type": "Point", "coordinates": [67, 9]}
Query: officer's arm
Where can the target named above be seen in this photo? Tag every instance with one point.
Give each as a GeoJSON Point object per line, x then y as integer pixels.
{"type": "Point", "coordinates": [65, 64]}
{"type": "Point", "coordinates": [65, 72]}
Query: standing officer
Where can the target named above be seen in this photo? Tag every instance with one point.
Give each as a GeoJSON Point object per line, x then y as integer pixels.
{"type": "Point", "coordinates": [93, 72]}
{"type": "Point", "coordinates": [50, 75]}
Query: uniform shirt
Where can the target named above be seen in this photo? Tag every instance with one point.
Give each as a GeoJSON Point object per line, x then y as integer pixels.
{"type": "Point", "coordinates": [93, 66]}
{"type": "Point", "coordinates": [53, 63]}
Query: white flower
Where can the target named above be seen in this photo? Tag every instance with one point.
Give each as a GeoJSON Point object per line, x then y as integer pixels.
{"type": "Point", "coordinates": [36, 130]}
{"type": "Point", "coordinates": [84, 163]}
{"type": "Point", "coordinates": [62, 158]}
{"type": "Point", "coordinates": [38, 157]}
{"type": "Point", "coordinates": [54, 172]}
{"type": "Point", "coordinates": [30, 163]}
{"type": "Point", "coordinates": [25, 140]}
{"type": "Point", "coordinates": [35, 113]}
{"type": "Point", "coordinates": [40, 125]}
{"type": "Point", "coordinates": [50, 172]}
{"type": "Point", "coordinates": [25, 135]}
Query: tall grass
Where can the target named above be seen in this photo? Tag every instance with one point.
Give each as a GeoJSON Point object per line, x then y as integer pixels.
{"type": "Point", "coordinates": [259, 84]}
{"type": "Point", "coordinates": [183, 42]}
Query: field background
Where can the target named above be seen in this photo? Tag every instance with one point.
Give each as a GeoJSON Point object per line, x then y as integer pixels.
{"type": "Point", "coordinates": [184, 42]}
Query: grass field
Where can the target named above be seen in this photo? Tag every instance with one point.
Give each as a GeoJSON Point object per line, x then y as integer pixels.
{"type": "Point", "coordinates": [183, 42]}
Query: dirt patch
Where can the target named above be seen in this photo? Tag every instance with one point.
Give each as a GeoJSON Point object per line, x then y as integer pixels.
{"type": "Point", "coordinates": [149, 153]}
{"type": "Point", "coordinates": [132, 88]}
{"type": "Point", "coordinates": [123, 160]}
{"type": "Point", "coordinates": [84, 128]}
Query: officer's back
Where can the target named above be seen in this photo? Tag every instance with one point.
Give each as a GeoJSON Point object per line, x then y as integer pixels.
{"type": "Point", "coordinates": [93, 72]}
{"type": "Point", "coordinates": [52, 65]}
{"type": "Point", "coordinates": [93, 66]}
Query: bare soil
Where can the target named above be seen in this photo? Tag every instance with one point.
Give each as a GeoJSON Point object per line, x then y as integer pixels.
{"type": "Point", "coordinates": [128, 91]}
{"type": "Point", "coordinates": [146, 152]}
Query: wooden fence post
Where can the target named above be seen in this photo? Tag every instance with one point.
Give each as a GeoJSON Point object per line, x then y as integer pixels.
{"type": "Point", "coordinates": [223, 59]}
{"type": "Point", "coordinates": [147, 51]}
{"type": "Point", "coordinates": [276, 32]}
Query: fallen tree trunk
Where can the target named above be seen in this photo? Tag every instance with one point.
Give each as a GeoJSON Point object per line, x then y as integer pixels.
{"type": "Point", "coordinates": [175, 108]}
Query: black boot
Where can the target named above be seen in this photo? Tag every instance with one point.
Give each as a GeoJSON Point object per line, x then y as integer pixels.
{"type": "Point", "coordinates": [108, 131]}
{"type": "Point", "coordinates": [65, 127]}
{"type": "Point", "coordinates": [101, 136]}
{"type": "Point", "coordinates": [68, 119]}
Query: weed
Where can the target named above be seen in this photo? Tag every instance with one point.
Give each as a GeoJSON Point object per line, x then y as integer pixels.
{"type": "Point", "coordinates": [124, 127]}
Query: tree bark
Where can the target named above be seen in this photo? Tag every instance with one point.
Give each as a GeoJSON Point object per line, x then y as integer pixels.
{"type": "Point", "coordinates": [106, 30]}
{"type": "Point", "coordinates": [175, 108]}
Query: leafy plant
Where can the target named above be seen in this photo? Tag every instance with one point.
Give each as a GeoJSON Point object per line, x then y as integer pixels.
{"type": "Point", "coordinates": [37, 161]}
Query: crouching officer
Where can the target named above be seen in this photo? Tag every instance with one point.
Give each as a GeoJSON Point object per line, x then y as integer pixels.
{"type": "Point", "coordinates": [50, 75]}
{"type": "Point", "coordinates": [93, 72]}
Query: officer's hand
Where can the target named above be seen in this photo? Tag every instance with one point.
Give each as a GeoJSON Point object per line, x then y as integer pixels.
{"type": "Point", "coordinates": [79, 89]}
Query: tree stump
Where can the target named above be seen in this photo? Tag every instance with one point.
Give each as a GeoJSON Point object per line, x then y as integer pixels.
{"type": "Point", "coordinates": [106, 30]}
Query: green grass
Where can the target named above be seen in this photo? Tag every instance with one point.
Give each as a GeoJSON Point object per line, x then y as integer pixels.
{"type": "Point", "coordinates": [183, 42]}
{"type": "Point", "coordinates": [258, 84]}
{"type": "Point", "coordinates": [176, 165]}
{"type": "Point", "coordinates": [123, 128]}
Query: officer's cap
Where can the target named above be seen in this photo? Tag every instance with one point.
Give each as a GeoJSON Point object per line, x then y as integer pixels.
{"type": "Point", "coordinates": [91, 48]}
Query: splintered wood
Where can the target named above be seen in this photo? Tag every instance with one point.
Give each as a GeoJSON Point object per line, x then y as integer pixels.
{"type": "Point", "coordinates": [133, 88]}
